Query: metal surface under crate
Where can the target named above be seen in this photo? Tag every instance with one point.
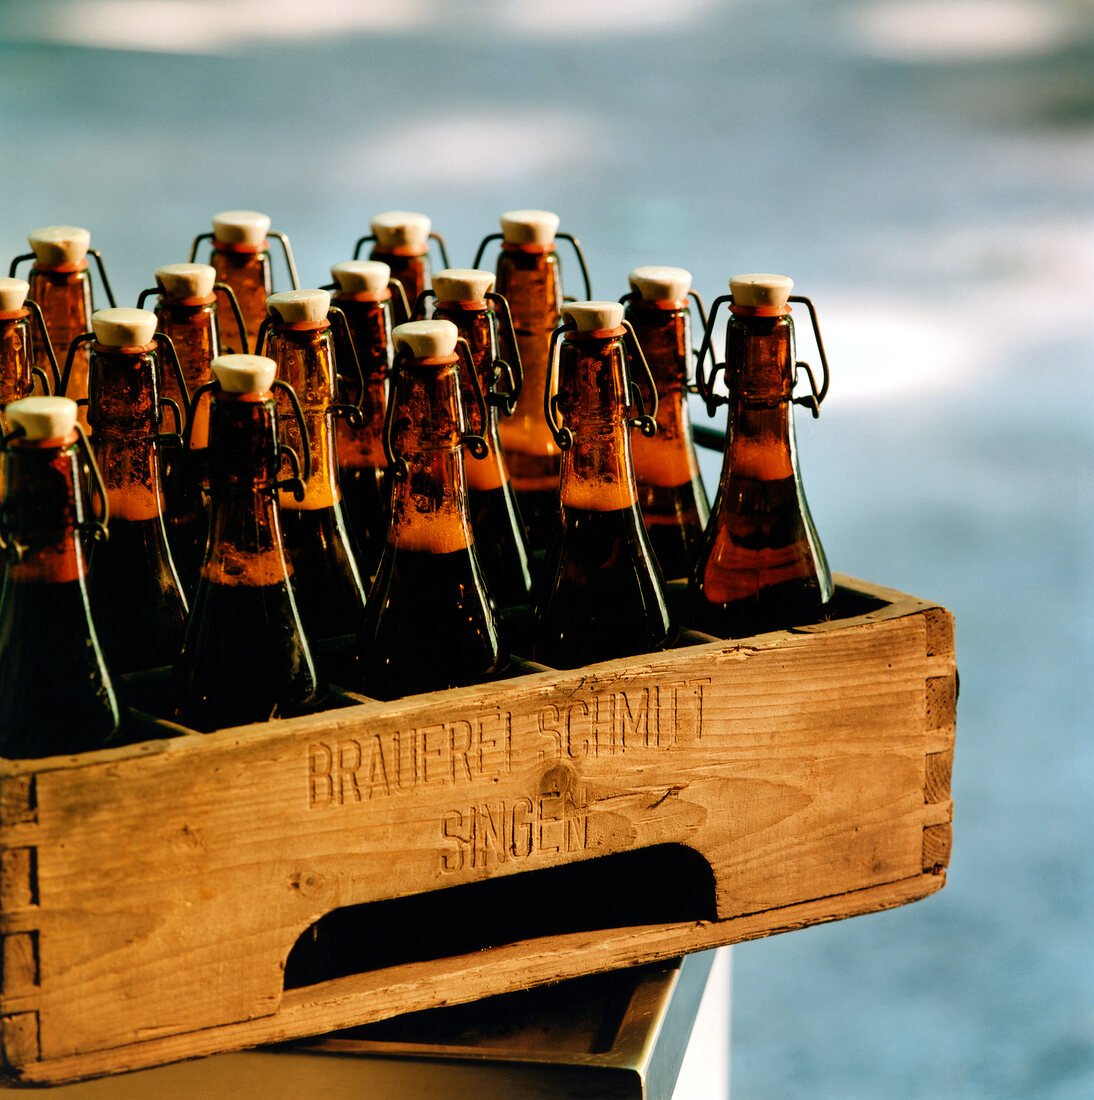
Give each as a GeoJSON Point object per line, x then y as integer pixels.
{"type": "Point", "coordinates": [201, 893]}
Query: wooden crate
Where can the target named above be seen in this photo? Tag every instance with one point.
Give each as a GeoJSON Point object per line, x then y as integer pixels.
{"type": "Point", "coordinates": [504, 835]}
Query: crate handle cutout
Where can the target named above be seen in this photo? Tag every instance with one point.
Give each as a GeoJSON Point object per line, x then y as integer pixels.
{"type": "Point", "coordinates": [663, 884]}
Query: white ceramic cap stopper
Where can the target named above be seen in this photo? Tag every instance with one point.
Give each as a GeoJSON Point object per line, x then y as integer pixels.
{"type": "Point", "coordinates": [299, 306]}
{"type": "Point", "coordinates": [593, 316]}
{"type": "Point", "coordinates": [43, 417]}
{"type": "Point", "coordinates": [661, 284]}
{"type": "Point", "coordinates": [529, 227]}
{"type": "Point", "coordinates": [244, 373]}
{"type": "Point", "coordinates": [186, 280]}
{"type": "Point", "coordinates": [13, 293]}
{"type": "Point", "coordinates": [241, 227]}
{"type": "Point", "coordinates": [59, 244]}
{"type": "Point", "coordinates": [462, 284]}
{"type": "Point", "coordinates": [124, 328]}
{"type": "Point", "coordinates": [426, 339]}
{"type": "Point", "coordinates": [760, 290]}
{"type": "Point", "coordinates": [361, 276]}
{"type": "Point", "coordinates": [401, 227]}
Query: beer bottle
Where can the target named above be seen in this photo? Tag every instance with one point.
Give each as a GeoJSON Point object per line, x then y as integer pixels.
{"type": "Point", "coordinates": [402, 242]}
{"type": "Point", "coordinates": [530, 279]}
{"type": "Point", "coordinates": [186, 311]}
{"type": "Point", "coordinates": [364, 294]}
{"type": "Point", "coordinates": [430, 623]}
{"type": "Point", "coordinates": [241, 259]}
{"type": "Point", "coordinates": [245, 657]}
{"type": "Point", "coordinates": [600, 594]}
{"type": "Point", "coordinates": [670, 488]}
{"type": "Point", "coordinates": [465, 297]}
{"type": "Point", "coordinates": [761, 566]}
{"type": "Point", "coordinates": [60, 283]}
{"type": "Point", "coordinates": [55, 692]}
{"type": "Point", "coordinates": [297, 336]}
{"type": "Point", "coordinates": [135, 592]}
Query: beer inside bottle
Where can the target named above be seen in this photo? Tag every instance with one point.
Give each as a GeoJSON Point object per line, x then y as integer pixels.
{"type": "Point", "coordinates": [56, 694]}
{"type": "Point", "coordinates": [245, 657]}
{"type": "Point", "coordinates": [241, 258]}
{"type": "Point", "coordinates": [402, 242]}
{"type": "Point", "coordinates": [60, 283]}
{"type": "Point", "coordinates": [135, 590]}
{"type": "Point", "coordinates": [364, 296]}
{"type": "Point", "coordinates": [530, 278]}
{"type": "Point", "coordinates": [670, 488]}
{"type": "Point", "coordinates": [761, 566]}
{"type": "Point", "coordinates": [500, 541]}
{"type": "Point", "coordinates": [325, 574]}
{"type": "Point", "coordinates": [600, 594]}
{"type": "Point", "coordinates": [430, 622]}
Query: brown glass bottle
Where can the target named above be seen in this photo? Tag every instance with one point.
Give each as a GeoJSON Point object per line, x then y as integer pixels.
{"type": "Point", "coordinates": [464, 297]}
{"type": "Point", "coordinates": [245, 657]}
{"type": "Point", "coordinates": [327, 582]}
{"type": "Point", "coordinates": [670, 489]}
{"type": "Point", "coordinates": [364, 295]}
{"type": "Point", "coordinates": [401, 240]}
{"type": "Point", "coordinates": [241, 260]}
{"type": "Point", "coordinates": [60, 283]}
{"type": "Point", "coordinates": [600, 594]}
{"type": "Point", "coordinates": [56, 694]}
{"type": "Point", "coordinates": [135, 592]}
{"type": "Point", "coordinates": [761, 566]}
{"type": "Point", "coordinates": [430, 622]}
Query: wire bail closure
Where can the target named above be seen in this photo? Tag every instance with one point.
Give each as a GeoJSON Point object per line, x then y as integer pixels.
{"type": "Point", "coordinates": [705, 381]}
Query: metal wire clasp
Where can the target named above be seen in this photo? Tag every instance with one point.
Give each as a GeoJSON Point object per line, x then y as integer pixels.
{"type": "Point", "coordinates": [704, 382]}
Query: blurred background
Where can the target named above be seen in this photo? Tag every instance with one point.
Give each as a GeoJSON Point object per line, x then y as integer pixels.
{"type": "Point", "coordinates": [924, 169]}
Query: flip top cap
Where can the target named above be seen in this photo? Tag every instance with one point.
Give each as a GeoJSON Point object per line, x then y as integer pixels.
{"type": "Point", "coordinates": [244, 373]}
{"type": "Point", "coordinates": [13, 293]}
{"type": "Point", "coordinates": [299, 306]}
{"type": "Point", "coordinates": [401, 227]}
{"type": "Point", "coordinates": [760, 290]}
{"type": "Point", "coordinates": [59, 244]}
{"type": "Point", "coordinates": [661, 284]}
{"type": "Point", "coordinates": [124, 328]}
{"type": "Point", "coordinates": [529, 226]}
{"type": "Point", "coordinates": [593, 316]}
{"type": "Point", "coordinates": [240, 227]}
{"type": "Point", "coordinates": [43, 417]}
{"type": "Point", "coordinates": [462, 284]}
{"type": "Point", "coordinates": [186, 280]}
{"type": "Point", "coordinates": [361, 276]}
{"type": "Point", "coordinates": [426, 339]}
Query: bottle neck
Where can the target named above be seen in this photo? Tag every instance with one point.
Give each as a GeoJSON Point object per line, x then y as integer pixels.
{"type": "Point", "coordinates": [429, 506]}
{"type": "Point", "coordinates": [245, 546]}
{"type": "Point", "coordinates": [305, 360]}
{"type": "Point", "coordinates": [410, 265]}
{"type": "Point", "coordinates": [531, 282]}
{"type": "Point", "coordinates": [370, 324]}
{"type": "Point", "coordinates": [593, 400]}
{"type": "Point", "coordinates": [478, 325]}
{"type": "Point", "coordinates": [42, 511]}
{"type": "Point", "coordinates": [760, 378]}
{"type": "Point", "coordinates": [663, 330]}
{"type": "Point", "coordinates": [124, 414]}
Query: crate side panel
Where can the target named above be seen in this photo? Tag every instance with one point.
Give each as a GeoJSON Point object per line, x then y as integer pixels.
{"type": "Point", "coordinates": [172, 888]}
